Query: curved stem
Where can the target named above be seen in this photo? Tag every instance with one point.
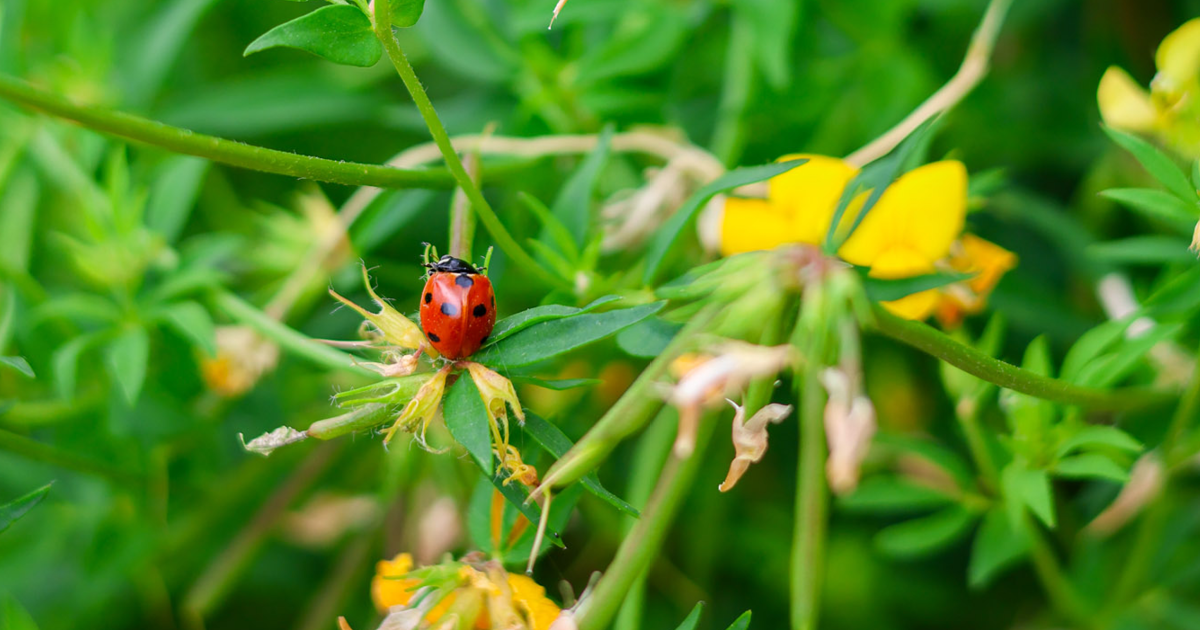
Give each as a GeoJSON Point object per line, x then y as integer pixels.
{"type": "Point", "coordinates": [974, 67]}
{"type": "Point", "coordinates": [1007, 375]}
{"type": "Point", "coordinates": [154, 133]}
{"type": "Point", "coordinates": [483, 210]}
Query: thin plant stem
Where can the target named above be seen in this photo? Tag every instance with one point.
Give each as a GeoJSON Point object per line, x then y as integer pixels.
{"type": "Point", "coordinates": [644, 541]}
{"type": "Point", "coordinates": [157, 134]}
{"type": "Point", "coordinates": [735, 91]}
{"type": "Point", "coordinates": [243, 312]}
{"type": "Point", "coordinates": [462, 219]}
{"type": "Point", "coordinates": [1062, 595]}
{"type": "Point", "coordinates": [1150, 525]}
{"type": "Point", "coordinates": [1007, 375]}
{"type": "Point", "coordinates": [33, 450]}
{"type": "Point", "coordinates": [969, 419]}
{"type": "Point", "coordinates": [215, 581]}
{"type": "Point", "coordinates": [480, 205]}
{"type": "Point", "coordinates": [812, 501]}
{"type": "Point", "coordinates": [974, 67]}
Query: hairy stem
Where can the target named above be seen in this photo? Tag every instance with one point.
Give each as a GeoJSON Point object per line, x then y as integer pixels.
{"type": "Point", "coordinates": [483, 210]}
{"type": "Point", "coordinates": [1007, 375]}
{"type": "Point", "coordinates": [154, 133]}
{"type": "Point", "coordinates": [812, 501]}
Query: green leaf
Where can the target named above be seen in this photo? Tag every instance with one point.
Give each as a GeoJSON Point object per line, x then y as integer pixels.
{"type": "Point", "coordinates": [467, 419]}
{"type": "Point", "coordinates": [12, 511]}
{"type": "Point", "coordinates": [65, 363]}
{"type": "Point", "coordinates": [892, 495]}
{"type": "Point", "coordinates": [1114, 367]}
{"type": "Point", "coordinates": [670, 233]}
{"type": "Point", "coordinates": [405, 13]}
{"type": "Point", "coordinates": [1143, 250]}
{"type": "Point", "coordinates": [997, 547]}
{"type": "Point", "coordinates": [654, 34]}
{"type": "Point", "coordinates": [551, 438]}
{"type": "Point", "coordinates": [742, 622]}
{"type": "Point", "coordinates": [338, 33]}
{"type": "Point", "coordinates": [932, 452]}
{"type": "Point", "coordinates": [19, 364]}
{"type": "Point", "coordinates": [647, 338]}
{"type": "Point", "coordinates": [1090, 465]}
{"type": "Point", "coordinates": [127, 356]}
{"type": "Point", "coordinates": [1026, 488]}
{"type": "Point", "coordinates": [1156, 204]}
{"type": "Point", "coordinates": [923, 536]}
{"type": "Point", "coordinates": [1157, 164]}
{"type": "Point", "coordinates": [552, 338]}
{"type": "Point", "coordinates": [193, 322]}
{"type": "Point", "coordinates": [773, 24]}
{"type": "Point", "coordinates": [573, 206]}
{"type": "Point", "coordinates": [881, 290]}
{"type": "Point", "coordinates": [386, 215]}
{"type": "Point", "coordinates": [1091, 344]}
{"type": "Point", "coordinates": [551, 226]}
{"type": "Point", "coordinates": [874, 177]}
{"type": "Point", "coordinates": [693, 618]}
{"type": "Point", "coordinates": [1093, 436]}
{"type": "Point", "coordinates": [14, 617]}
{"type": "Point", "coordinates": [1030, 417]}
{"type": "Point", "coordinates": [173, 194]}
{"type": "Point", "coordinates": [557, 385]}
{"type": "Point", "coordinates": [539, 314]}
{"type": "Point", "coordinates": [1179, 295]}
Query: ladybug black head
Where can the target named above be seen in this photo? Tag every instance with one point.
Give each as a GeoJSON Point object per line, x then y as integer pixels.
{"type": "Point", "coordinates": [450, 264]}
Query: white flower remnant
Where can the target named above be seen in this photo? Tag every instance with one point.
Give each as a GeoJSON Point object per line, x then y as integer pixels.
{"type": "Point", "coordinates": [849, 427]}
{"type": "Point", "coordinates": [750, 439]}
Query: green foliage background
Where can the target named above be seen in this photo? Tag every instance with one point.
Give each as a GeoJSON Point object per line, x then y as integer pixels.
{"type": "Point", "coordinates": [149, 497]}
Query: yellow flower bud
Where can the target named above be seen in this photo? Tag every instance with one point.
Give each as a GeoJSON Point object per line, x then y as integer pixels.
{"type": "Point", "coordinates": [422, 409]}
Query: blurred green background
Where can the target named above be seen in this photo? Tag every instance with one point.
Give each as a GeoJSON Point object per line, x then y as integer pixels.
{"type": "Point", "coordinates": [158, 518]}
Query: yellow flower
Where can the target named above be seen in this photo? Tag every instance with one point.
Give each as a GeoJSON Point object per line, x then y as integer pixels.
{"type": "Point", "coordinates": [243, 357]}
{"type": "Point", "coordinates": [987, 262]}
{"type": "Point", "coordinates": [395, 329]}
{"type": "Point", "coordinates": [907, 233]}
{"type": "Point", "coordinates": [1169, 109]}
{"type": "Point", "coordinates": [523, 596]}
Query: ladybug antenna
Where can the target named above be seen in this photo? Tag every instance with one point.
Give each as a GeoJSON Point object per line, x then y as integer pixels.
{"type": "Point", "coordinates": [487, 261]}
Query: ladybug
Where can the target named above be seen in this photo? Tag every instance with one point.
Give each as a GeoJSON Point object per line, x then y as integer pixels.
{"type": "Point", "coordinates": [458, 307]}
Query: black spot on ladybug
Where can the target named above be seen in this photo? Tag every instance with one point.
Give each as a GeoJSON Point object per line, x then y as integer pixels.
{"type": "Point", "coordinates": [479, 311]}
{"type": "Point", "coordinates": [464, 281]}
{"type": "Point", "coordinates": [484, 340]}
{"type": "Point", "coordinates": [449, 310]}
{"type": "Point", "coordinates": [434, 338]}
{"type": "Point", "coordinates": [428, 298]}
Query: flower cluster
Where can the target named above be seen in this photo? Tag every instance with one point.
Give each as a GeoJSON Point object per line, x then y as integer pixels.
{"type": "Point", "coordinates": [470, 588]}
{"type": "Point", "coordinates": [915, 228]}
{"type": "Point", "coordinates": [1170, 110]}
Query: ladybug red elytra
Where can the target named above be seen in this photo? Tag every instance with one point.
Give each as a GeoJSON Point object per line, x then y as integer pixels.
{"type": "Point", "coordinates": [458, 307]}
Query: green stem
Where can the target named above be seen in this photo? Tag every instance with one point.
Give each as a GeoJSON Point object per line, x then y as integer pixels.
{"type": "Point", "coordinates": [735, 92]}
{"type": "Point", "coordinates": [243, 312]}
{"type": "Point", "coordinates": [1061, 593]}
{"type": "Point", "coordinates": [812, 501]}
{"type": "Point", "coordinates": [643, 543]}
{"type": "Point", "coordinates": [36, 451]}
{"type": "Point", "coordinates": [1185, 415]}
{"type": "Point", "coordinates": [230, 152]}
{"type": "Point", "coordinates": [977, 445]}
{"type": "Point", "coordinates": [974, 362]}
{"type": "Point", "coordinates": [483, 210]}
{"type": "Point", "coordinates": [636, 407]}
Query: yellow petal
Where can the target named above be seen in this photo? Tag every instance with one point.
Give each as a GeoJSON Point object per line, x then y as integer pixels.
{"type": "Point", "coordinates": [1178, 56]}
{"type": "Point", "coordinates": [987, 260]}
{"type": "Point", "coordinates": [386, 591]}
{"type": "Point", "coordinates": [1123, 103]}
{"type": "Point", "coordinates": [753, 224]}
{"type": "Point", "coordinates": [809, 193]}
{"type": "Point", "coordinates": [906, 263]}
{"type": "Point", "coordinates": [530, 599]}
{"type": "Point", "coordinates": [922, 212]}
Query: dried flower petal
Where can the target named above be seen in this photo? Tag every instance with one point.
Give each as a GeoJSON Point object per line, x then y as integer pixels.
{"type": "Point", "coordinates": [266, 443]}
{"type": "Point", "coordinates": [750, 439]}
{"type": "Point", "coordinates": [849, 427]}
{"type": "Point", "coordinates": [422, 409]}
{"type": "Point", "coordinates": [1145, 484]}
{"type": "Point", "coordinates": [397, 330]}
